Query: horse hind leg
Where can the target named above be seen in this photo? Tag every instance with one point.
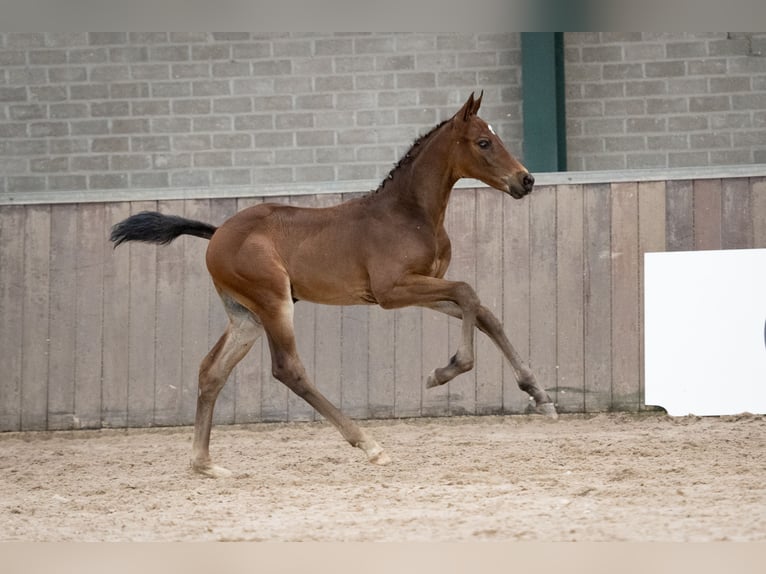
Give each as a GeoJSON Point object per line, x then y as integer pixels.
{"type": "Point", "coordinates": [288, 369]}
{"type": "Point", "coordinates": [242, 331]}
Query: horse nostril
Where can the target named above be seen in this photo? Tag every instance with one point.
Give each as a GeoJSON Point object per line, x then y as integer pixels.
{"type": "Point", "coordinates": [528, 181]}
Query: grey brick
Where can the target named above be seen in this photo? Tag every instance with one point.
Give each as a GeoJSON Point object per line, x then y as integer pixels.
{"type": "Point", "coordinates": [212, 124]}
{"type": "Point", "coordinates": [190, 178]}
{"type": "Point", "coordinates": [149, 143]}
{"type": "Point", "coordinates": [315, 138]}
{"type": "Point", "coordinates": [649, 124]}
{"type": "Point", "coordinates": [27, 111]}
{"type": "Point", "coordinates": [235, 105]}
{"type": "Point", "coordinates": [90, 163]}
{"type": "Point", "coordinates": [383, 81]}
{"type": "Point", "coordinates": [169, 53]}
{"type": "Point", "coordinates": [687, 159]}
{"type": "Point", "coordinates": [148, 37]}
{"type": "Point", "coordinates": [13, 58]}
{"type": "Point", "coordinates": [170, 125]}
{"type": "Point", "coordinates": [109, 109]}
{"type": "Point", "coordinates": [232, 141]}
{"type": "Point", "coordinates": [25, 183]}
{"type": "Point", "coordinates": [108, 181]}
{"type": "Point", "coordinates": [212, 159]}
{"type": "Point", "coordinates": [149, 180]}
{"type": "Point", "coordinates": [314, 173]}
{"type": "Point", "coordinates": [13, 94]}
{"type": "Point", "coordinates": [47, 57]}
{"type": "Point", "coordinates": [130, 126]}
{"type": "Point", "coordinates": [186, 71]}
{"type": "Point", "coordinates": [293, 156]}
{"type": "Point", "coordinates": [129, 90]}
{"type": "Point", "coordinates": [49, 164]}
{"type": "Point", "coordinates": [294, 121]}
{"type": "Point", "coordinates": [48, 129]}
{"type": "Point", "coordinates": [602, 54]}
{"type": "Point", "coordinates": [270, 68]}
{"type": "Point", "coordinates": [211, 52]}
{"type": "Point", "coordinates": [292, 48]}
{"type": "Point", "coordinates": [68, 145]}
{"type": "Point", "coordinates": [707, 67]}
{"type": "Point", "coordinates": [749, 101]}
{"type": "Point", "coordinates": [665, 69]}
{"type": "Point", "coordinates": [130, 162]}
{"type": "Point", "coordinates": [194, 142]}
{"type": "Point", "coordinates": [110, 144]}
{"type": "Point", "coordinates": [89, 127]}
{"type": "Point", "coordinates": [333, 46]}
{"type": "Point", "coordinates": [105, 38]}
{"type": "Point", "coordinates": [129, 54]}
{"type": "Point", "coordinates": [67, 182]}
{"type": "Point", "coordinates": [88, 56]}
{"type": "Point", "coordinates": [253, 158]}
{"type": "Point", "coordinates": [232, 177]}
{"type": "Point", "coordinates": [14, 130]}
{"type": "Point", "coordinates": [314, 102]}
{"type": "Point", "coordinates": [623, 71]}
{"type": "Point", "coordinates": [255, 50]}
{"type": "Point", "coordinates": [89, 92]}
{"type": "Point", "coordinates": [693, 49]}
{"type": "Point", "coordinates": [196, 106]}
{"type": "Point", "coordinates": [709, 103]}
{"type": "Point", "coordinates": [68, 111]}
{"type": "Point", "coordinates": [292, 85]}
{"type": "Point", "coordinates": [274, 139]}
{"type": "Point", "coordinates": [231, 69]}
{"type": "Point", "coordinates": [687, 123]}
{"type": "Point", "coordinates": [171, 160]}
{"type": "Point", "coordinates": [254, 122]}
{"type": "Point", "coordinates": [394, 63]}
{"type": "Point", "coordinates": [272, 175]}
{"type": "Point", "coordinates": [374, 45]}
{"type": "Point", "coordinates": [48, 93]}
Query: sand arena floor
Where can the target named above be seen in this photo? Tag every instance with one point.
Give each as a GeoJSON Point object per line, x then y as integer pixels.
{"type": "Point", "coordinates": [608, 477]}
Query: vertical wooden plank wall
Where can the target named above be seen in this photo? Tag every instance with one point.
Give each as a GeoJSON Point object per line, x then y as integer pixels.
{"type": "Point", "coordinates": [94, 337]}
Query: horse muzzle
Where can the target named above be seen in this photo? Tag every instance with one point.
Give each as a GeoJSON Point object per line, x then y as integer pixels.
{"type": "Point", "coordinates": [521, 184]}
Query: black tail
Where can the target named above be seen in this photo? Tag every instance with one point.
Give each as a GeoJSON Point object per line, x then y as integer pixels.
{"type": "Point", "coordinates": [153, 227]}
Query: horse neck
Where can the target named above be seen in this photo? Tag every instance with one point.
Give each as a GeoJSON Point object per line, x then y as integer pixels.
{"type": "Point", "coordinates": [423, 186]}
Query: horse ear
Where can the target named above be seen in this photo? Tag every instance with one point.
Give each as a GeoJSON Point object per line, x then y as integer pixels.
{"type": "Point", "coordinates": [477, 103]}
{"type": "Point", "coordinates": [467, 110]}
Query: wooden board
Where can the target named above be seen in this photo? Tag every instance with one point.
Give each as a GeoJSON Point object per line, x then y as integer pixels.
{"type": "Point", "coordinates": [625, 316]}
{"type": "Point", "coordinates": [34, 335]}
{"type": "Point", "coordinates": [195, 296]}
{"type": "Point", "coordinates": [461, 228]}
{"type": "Point", "coordinates": [679, 209]}
{"type": "Point", "coordinates": [114, 353]}
{"type": "Point", "coordinates": [707, 214]}
{"type": "Point", "coordinates": [489, 287]}
{"type": "Point", "coordinates": [737, 214]}
{"type": "Point", "coordinates": [651, 239]}
{"type": "Point", "coordinates": [570, 387]}
{"type": "Point", "coordinates": [327, 347]}
{"type": "Point", "coordinates": [11, 310]}
{"type": "Point", "coordinates": [516, 296]}
{"type": "Point", "coordinates": [141, 327]}
{"type": "Point", "coordinates": [542, 238]}
{"type": "Point", "coordinates": [220, 211]}
{"type": "Point", "coordinates": [91, 244]}
{"type": "Point", "coordinates": [597, 298]}
{"type": "Point", "coordinates": [169, 364]}
{"type": "Point", "coordinates": [63, 318]}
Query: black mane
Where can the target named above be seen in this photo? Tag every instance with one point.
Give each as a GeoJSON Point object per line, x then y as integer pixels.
{"type": "Point", "coordinates": [410, 154]}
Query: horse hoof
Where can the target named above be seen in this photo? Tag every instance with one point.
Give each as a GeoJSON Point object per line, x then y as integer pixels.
{"type": "Point", "coordinates": [212, 471]}
{"type": "Point", "coordinates": [381, 458]}
{"type": "Point", "coordinates": [547, 410]}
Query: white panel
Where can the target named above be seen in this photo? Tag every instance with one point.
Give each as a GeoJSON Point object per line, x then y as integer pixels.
{"type": "Point", "coordinates": [705, 331]}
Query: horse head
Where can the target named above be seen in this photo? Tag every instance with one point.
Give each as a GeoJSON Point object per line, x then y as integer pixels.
{"type": "Point", "coordinates": [480, 154]}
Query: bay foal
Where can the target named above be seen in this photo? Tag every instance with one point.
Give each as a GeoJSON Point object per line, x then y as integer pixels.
{"type": "Point", "coordinates": [387, 248]}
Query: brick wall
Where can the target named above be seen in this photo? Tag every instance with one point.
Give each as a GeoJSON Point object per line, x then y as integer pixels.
{"type": "Point", "coordinates": [105, 111]}
{"type": "Point", "coordinates": [181, 111]}
{"type": "Point", "coordinates": [645, 100]}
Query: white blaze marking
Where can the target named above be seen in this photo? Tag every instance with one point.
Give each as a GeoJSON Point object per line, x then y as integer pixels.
{"type": "Point", "coordinates": [490, 129]}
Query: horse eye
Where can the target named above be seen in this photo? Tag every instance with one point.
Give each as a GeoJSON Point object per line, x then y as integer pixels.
{"type": "Point", "coordinates": [484, 144]}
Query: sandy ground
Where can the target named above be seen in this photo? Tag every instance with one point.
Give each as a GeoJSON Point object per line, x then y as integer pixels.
{"type": "Point", "coordinates": [604, 477]}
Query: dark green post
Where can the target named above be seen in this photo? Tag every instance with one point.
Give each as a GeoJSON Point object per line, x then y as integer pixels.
{"type": "Point", "coordinates": [543, 100]}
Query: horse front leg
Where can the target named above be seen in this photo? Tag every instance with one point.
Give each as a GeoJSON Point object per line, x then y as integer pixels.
{"type": "Point", "coordinates": [525, 378]}
{"type": "Point", "coordinates": [427, 291]}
